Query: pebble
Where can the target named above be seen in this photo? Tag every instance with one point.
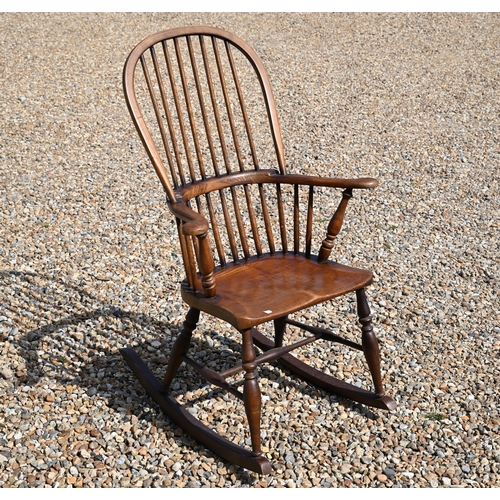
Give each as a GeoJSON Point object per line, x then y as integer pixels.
{"type": "Point", "coordinates": [90, 262]}
{"type": "Point", "coordinates": [33, 335]}
{"type": "Point", "coordinates": [6, 373]}
{"type": "Point", "coordinates": [390, 473]}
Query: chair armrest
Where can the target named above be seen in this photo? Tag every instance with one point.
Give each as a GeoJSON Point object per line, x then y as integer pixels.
{"type": "Point", "coordinates": [194, 223]}
{"type": "Point", "coordinates": [335, 182]}
{"type": "Point", "coordinates": [267, 176]}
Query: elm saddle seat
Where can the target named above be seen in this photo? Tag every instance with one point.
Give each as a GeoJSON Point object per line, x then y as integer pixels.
{"type": "Point", "coordinates": [202, 104]}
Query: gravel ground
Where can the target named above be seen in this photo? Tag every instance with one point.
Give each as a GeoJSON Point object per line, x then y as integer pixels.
{"type": "Point", "coordinates": [88, 260]}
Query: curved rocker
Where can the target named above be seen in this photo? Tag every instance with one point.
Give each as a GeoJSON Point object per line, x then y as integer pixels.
{"type": "Point", "coordinates": [190, 424]}
{"type": "Point", "coordinates": [325, 381]}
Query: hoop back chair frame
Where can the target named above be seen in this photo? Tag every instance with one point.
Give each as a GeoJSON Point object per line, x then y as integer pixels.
{"type": "Point", "coordinates": [246, 288]}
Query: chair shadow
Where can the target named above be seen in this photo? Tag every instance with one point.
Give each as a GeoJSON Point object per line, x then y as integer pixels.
{"type": "Point", "coordinates": [78, 350]}
{"type": "Point", "coordinates": [76, 346]}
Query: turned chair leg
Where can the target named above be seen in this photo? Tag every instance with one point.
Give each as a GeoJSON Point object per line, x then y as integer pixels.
{"type": "Point", "coordinates": [251, 391]}
{"type": "Point", "coordinates": [181, 346]}
{"type": "Point", "coordinates": [369, 341]}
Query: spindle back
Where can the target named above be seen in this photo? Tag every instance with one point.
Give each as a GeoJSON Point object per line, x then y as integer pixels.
{"type": "Point", "coordinates": [192, 95]}
{"type": "Point", "coordinates": [202, 103]}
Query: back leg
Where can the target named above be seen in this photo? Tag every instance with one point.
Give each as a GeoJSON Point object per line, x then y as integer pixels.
{"type": "Point", "coordinates": [369, 341]}
{"type": "Point", "coordinates": [279, 331]}
{"type": "Point", "coordinates": [181, 346]}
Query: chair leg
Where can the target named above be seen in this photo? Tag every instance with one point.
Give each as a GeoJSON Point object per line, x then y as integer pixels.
{"type": "Point", "coordinates": [369, 341]}
{"type": "Point", "coordinates": [279, 331]}
{"type": "Point", "coordinates": [181, 346]}
{"type": "Point", "coordinates": [251, 391]}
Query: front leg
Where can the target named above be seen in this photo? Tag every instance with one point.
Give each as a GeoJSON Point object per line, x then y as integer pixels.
{"type": "Point", "coordinates": [251, 391]}
{"type": "Point", "coordinates": [181, 346]}
{"type": "Point", "coordinates": [369, 341]}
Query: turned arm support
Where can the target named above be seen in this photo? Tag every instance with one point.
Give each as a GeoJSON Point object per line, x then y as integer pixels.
{"type": "Point", "coordinates": [337, 220]}
{"type": "Point", "coordinates": [195, 224]}
{"type": "Point", "coordinates": [334, 227]}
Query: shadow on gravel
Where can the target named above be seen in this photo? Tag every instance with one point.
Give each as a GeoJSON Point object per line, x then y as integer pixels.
{"type": "Point", "coordinates": [66, 335]}
{"type": "Point", "coordinates": [82, 347]}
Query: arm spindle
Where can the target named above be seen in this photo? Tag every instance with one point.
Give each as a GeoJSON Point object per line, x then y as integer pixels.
{"type": "Point", "coordinates": [334, 227]}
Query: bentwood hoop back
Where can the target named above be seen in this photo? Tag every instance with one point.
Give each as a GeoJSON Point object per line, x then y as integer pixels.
{"type": "Point", "coordinates": [202, 103]}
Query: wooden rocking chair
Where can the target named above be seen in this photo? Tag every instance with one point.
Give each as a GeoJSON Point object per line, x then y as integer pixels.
{"type": "Point", "coordinates": [199, 98]}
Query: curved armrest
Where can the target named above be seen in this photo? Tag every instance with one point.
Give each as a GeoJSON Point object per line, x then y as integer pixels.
{"type": "Point", "coordinates": [335, 182]}
{"type": "Point", "coordinates": [194, 223]}
{"type": "Point", "coordinates": [267, 176]}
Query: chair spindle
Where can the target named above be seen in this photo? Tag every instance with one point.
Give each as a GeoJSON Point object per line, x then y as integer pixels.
{"type": "Point", "coordinates": [309, 221]}
{"type": "Point", "coordinates": [334, 227]}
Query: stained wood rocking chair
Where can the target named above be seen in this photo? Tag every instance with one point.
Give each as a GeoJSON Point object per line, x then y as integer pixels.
{"type": "Point", "coordinates": [193, 94]}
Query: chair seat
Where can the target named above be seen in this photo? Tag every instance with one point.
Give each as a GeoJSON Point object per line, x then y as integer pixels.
{"type": "Point", "coordinates": [264, 288]}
